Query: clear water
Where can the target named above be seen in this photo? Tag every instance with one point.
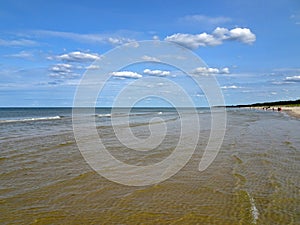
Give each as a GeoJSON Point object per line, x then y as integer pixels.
{"type": "Point", "coordinates": [45, 180]}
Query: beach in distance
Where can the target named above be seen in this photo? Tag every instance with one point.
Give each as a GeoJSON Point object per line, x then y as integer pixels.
{"type": "Point", "coordinates": [293, 111]}
{"type": "Point", "coordinates": [292, 108]}
{"type": "Point", "coordinates": [253, 180]}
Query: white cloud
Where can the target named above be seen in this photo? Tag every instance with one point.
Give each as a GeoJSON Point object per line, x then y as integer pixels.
{"type": "Point", "coordinates": [282, 82]}
{"type": "Point", "coordinates": [220, 33]}
{"type": "Point", "coordinates": [72, 62]}
{"type": "Point", "coordinates": [61, 68]}
{"type": "Point", "coordinates": [287, 70]}
{"type": "Point", "coordinates": [172, 56]}
{"type": "Point", "coordinates": [133, 44]}
{"type": "Point", "coordinates": [296, 18]}
{"type": "Point", "coordinates": [127, 74]}
{"type": "Point", "coordinates": [77, 56]}
{"type": "Point", "coordinates": [205, 19]}
{"type": "Point", "coordinates": [119, 40]}
{"type": "Point", "coordinates": [150, 58]}
{"type": "Point", "coordinates": [225, 70]}
{"type": "Point", "coordinates": [64, 75]}
{"type": "Point", "coordinates": [20, 42]}
{"type": "Point", "coordinates": [193, 41]}
{"type": "Point", "coordinates": [92, 67]}
{"type": "Point", "coordinates": [63, 71]}
{"type": "Point", "coordinates": [157, 72]}
{"type": "Point", "coordinates": [230, 87]}
{"type": "Point", "coordinates": [208, 71]}
{"type": "Point", "coordinates": [242, 34]}
{"type": "Point", "coordinates": [204, 70]}
{"type": "Point", "coordinates": [88, 38]}
{"type": "Point", "coordinates": [22, 54]}
{"type": "Point", "coordinates": [217, 37]}
{"type": "Point", "coordinates": [293, 78]}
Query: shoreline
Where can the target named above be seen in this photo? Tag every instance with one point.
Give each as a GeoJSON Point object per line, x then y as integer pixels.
{"type": "Point", "coordinates": [293, 111]}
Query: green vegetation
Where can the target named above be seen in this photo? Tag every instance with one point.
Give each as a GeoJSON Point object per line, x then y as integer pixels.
{"type": "Point", "coordinates": [278, 103]}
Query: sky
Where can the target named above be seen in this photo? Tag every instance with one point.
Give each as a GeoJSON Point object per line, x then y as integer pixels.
{"type": "Point", "coordinates": [252, 48]}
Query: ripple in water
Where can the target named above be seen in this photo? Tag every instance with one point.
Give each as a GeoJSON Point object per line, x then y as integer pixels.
{"type": "Point", "coordinates": [253, 180]}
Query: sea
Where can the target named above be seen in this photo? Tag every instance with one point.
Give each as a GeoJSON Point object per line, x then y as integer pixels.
{"type": "Point", "coordinates": [45, 179]}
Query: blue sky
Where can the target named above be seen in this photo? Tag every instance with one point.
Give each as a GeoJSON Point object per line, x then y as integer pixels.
{"type": "Point", "coordinates": [252, 47]}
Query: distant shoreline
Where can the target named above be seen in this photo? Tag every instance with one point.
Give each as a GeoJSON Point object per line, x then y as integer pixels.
{"type": "Point", "coordinates": [292, 108]}
{"type": "Point", "coordinates": [292, 111]}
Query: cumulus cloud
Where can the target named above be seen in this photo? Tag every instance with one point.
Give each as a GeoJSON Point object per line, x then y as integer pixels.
{"type": "Point", "coordinates": [242, 34]}
{"type": "Point", "coordinates": [193, 41]}
{"type": "Point", "coordinates": [204, 70]}
{"type": "Point", "coordinates": [225, 70]}
{"type": "Point", "coordinates": [293, 79]}
{"type": "Point", "coordinates": [208, 71]}
{"type": "Point", "coordinates": [217, 37]}
{"type": "Point", "coordinates": [220, 33]}
{"type": "Point", "coordinates": [77, 56]}
{"type": "Point", "coordinates": [119, 40]}
{"type": "Point", "coordinates": [127, 74]}
{"type": "Point", "coordinates": [62, 71]}
{"type": "Point", "coordinates": [71, 65]}
{"type": "Point", "coordinates": [61, 68]}
{"type": "Point", "coordinates": [156, 72]}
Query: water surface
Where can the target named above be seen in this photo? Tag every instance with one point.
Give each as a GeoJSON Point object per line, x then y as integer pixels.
{"type": "Point", "coordinates": [253, 180]}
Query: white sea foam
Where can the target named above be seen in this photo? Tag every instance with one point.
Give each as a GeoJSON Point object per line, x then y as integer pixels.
{"type": "Point", "coordinates": [104, 115]}
{"type": "Point", "coordinates": [31, 119]}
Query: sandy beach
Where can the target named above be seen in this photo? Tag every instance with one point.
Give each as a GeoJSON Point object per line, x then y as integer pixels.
{"type": "Point", "coordinates": [292, 111]}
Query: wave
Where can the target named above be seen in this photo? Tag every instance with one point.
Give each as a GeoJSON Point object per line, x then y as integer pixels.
{"type": "Point", "coordinates": [103, 115]}
{"type": "Point", "coordinates": [130, 114]}
{"type": "Point", "coordinates": [31, 119]}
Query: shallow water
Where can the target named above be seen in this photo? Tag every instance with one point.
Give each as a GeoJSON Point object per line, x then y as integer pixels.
{"type": "Point", "coordinates": [253, 180]}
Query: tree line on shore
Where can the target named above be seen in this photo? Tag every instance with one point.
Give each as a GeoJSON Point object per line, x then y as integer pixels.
{"type": "Point", "coordinates": [277, 103]}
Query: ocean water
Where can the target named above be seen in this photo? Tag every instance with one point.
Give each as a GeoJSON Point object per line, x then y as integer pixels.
{"type": "Point", "coordinates": [45, 179]}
